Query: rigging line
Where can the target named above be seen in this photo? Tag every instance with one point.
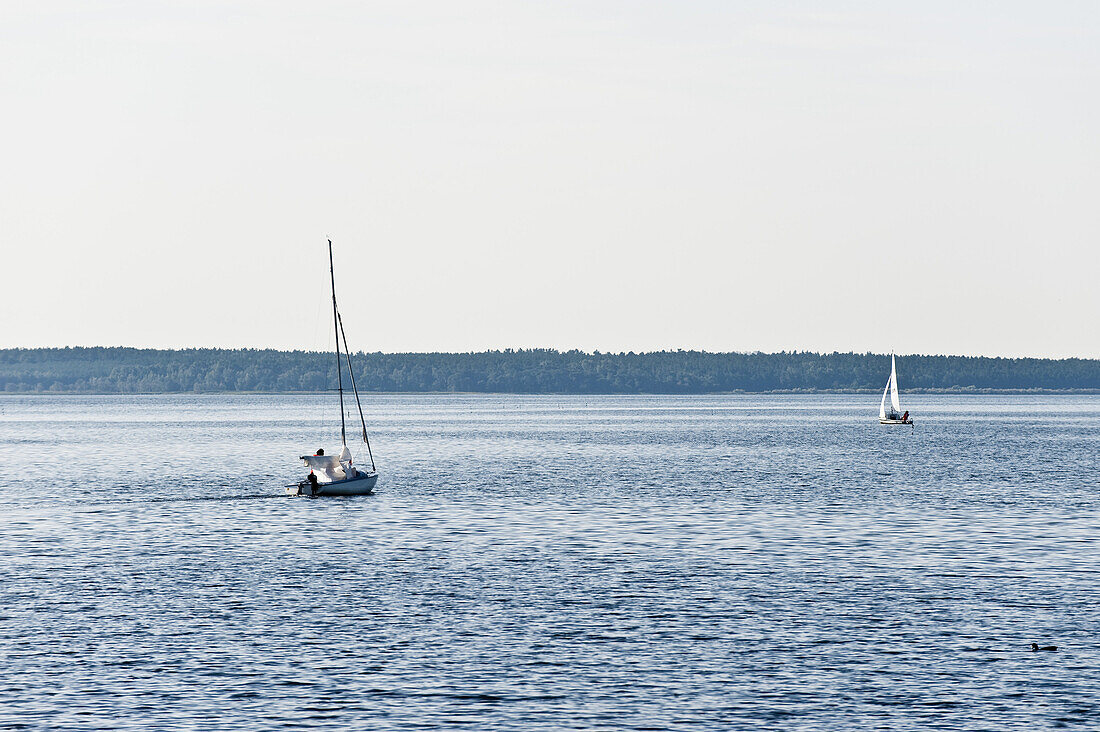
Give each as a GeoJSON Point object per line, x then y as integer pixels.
{"type": "Point", "coordinates": [336, 330]}
{"type": "Point", "coordinates": [347, 355]}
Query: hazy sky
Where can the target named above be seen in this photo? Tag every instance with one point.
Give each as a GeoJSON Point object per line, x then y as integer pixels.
{"type": "Point", "coordinates": [917, 176]}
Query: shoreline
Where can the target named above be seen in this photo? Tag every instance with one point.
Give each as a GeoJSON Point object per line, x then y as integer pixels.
{"type": "Point", "coordinates": [961, 391]}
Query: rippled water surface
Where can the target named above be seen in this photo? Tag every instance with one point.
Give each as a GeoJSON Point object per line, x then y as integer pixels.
{"type": "Point", "coordinates": [693, 563]}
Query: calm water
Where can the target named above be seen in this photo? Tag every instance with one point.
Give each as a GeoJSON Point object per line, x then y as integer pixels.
{"type": "Point", "coordinates": [733, 562]}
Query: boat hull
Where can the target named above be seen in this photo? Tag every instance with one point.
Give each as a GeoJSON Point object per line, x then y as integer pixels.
{"type": "Point", "coordinates": [895, 421]}
{"type": "Point", "coordinates": [362, 485]}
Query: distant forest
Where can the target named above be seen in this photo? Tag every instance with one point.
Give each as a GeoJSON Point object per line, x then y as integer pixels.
{"type": "Point", "coordinates": [132, 370]}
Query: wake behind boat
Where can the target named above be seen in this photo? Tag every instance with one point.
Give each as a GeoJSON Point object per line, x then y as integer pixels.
{"type": "Point", "coordinates": [335, 475]}
{"type": "Point", "coordinates": [894, 416]}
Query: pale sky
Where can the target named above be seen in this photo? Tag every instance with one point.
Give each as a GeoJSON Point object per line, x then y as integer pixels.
{"type": "Point", "coordinates": [915, 176]}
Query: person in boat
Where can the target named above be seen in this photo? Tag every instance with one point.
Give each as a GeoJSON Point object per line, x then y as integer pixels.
{"type": "Point", "coordinates": [329, 471]}
{"type": "Point", "coordinates": [905, 417]}
{"type": "Point", "coordinates": [312, 480]}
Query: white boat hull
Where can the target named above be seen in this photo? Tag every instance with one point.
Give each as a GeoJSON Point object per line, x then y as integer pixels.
{"type": "Point", "coordinates": [362, 485]}
{"type": "Point", "coordinates": [895, 421]}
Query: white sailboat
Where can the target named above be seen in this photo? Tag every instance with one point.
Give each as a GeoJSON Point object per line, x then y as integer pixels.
{"type": "Point", "coordinates": [894, 415]}
{"type": "Point", "coordinates": [335, 475]}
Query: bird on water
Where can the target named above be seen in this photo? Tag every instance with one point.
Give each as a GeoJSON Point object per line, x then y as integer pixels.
{"type": "Point", "coordinates": [1037, 647]}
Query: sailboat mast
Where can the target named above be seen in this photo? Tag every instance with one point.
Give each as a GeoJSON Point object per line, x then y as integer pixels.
{"type": "Point", "coordinates": [336, 329]}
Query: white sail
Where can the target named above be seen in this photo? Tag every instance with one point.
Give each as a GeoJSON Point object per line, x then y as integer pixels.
{"type": "Point", "coordinates": [882, 407]}
{"type": "Point", "coordinates": [894, 386]}
{"type": "Point", "coordinates": [327, 468]}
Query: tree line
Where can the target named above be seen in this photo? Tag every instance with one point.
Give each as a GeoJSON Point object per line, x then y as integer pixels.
{"type": "Point", "coordinates": [132, 370]}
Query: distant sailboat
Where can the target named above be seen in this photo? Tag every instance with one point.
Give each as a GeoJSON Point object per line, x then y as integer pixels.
{"type": "Point", "coordinates": [894, 416]}
{"type": "Point", "coordinates": [334, 475]}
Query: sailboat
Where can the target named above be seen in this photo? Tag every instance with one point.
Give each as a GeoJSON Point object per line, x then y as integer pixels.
{"type": "Point", "coordinates": [894, 415]}
{"type": "Point", "coordinates": [335, 475]}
